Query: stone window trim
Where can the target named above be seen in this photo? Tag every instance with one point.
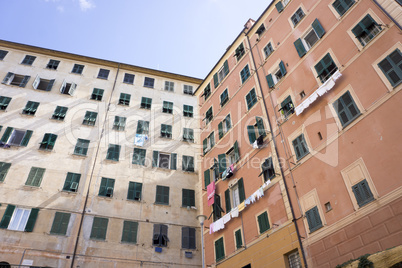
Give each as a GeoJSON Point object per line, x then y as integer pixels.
{"type": "Point", "coordinates": [309, 201]}
{"type": "Point", "coordinates": [293, 136]}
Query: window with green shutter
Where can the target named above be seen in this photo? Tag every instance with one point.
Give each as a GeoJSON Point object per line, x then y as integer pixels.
{"type": "Point", "coordinates": [166, 131]}
{"type": "Point", "coordinates": [325, 68]}
{"type": "Point", "coordinates": [188, 163]}
{"type": "Point", "coordinates": [146, 103]}
{"type": "Point", "coordinates": [222, 162]}
{"type": "Point", "coordinates": [207, 92]}
{"type": "Point", "coordinates": [28, 60]}
{"type": "Point", "coordinates": [60, 223]}
{"type": "Point", "coordinates": [167, 107]}
{"type": "Point", "coordinates": [346, 109]}
{"type": "Point", "coordinates": [130, 229]}
{"type": "Point", "coordinates": [16, 79]}
{"type": "Point", "coordinates": [164, 160]}
{"type": "Point", "coordinates": [16, 137]}
{"type": "Point", "coordinates": [219, 250]}
{"type": "Point", "coordinates": [72, 182]}
{"type": "Point", "coordinates": [19, 219]}
{"type": "Point", "coordinates": [287, 108]}
{"type": "Point", "coordinates": [227, 201]}
{"type": "Point", "coordinates": [139, 156]}
{"type": "Point", "coordinates": [188, 238]}
{"type": "Point", "coordinates": [209, 115]}
{"type": "Point", "coordinates": [217, 209]}
{"type": "Point", "coordinates": [106, 187]}
{"type": "Point", "coordinates": [97, 94]}
{"type": "Point", "coordinates": [99, 228]}
{"type": "Point", "coordinates": [209, 142]}
{"type": "Point", "coordinates": [238, 239]}
{"type": "Point", "coordinates": [267, 169]}
{"type": "Point", "coordinates": [188, 110]}
{"type": "Point", "coordinates": [160, 235]}
{"type": "Point", "coordinates": [113, 152]}
{"type": "Point", "coordinates": [263, 223]}
{"type": "Point", "coordinates": [366, 30]}
{"type": "Point", "coordinates": [35, 176]}
{"type": "Point", "coordinates": [143, 127]}
{"type": "Point", "coordinates": [188, 198]}
{"type": "Point", "coordinates": [4, 167]}
{"type": "Point", "coordinates": [48, 141]}
{"type": "Point", "coordinates": [169, 86]}
{"type": "Point", "coordinates": [30, 108]}
{"type": "Point", "coordinates": [188, 134]}
{"type": "Point", "coordinates": [306, 42]}
{"type": "Point", "coordinates": [59, 113]}
{"type": "Point", "coordinates": [162, 195]}
{"type": "Point", "coordinates": [240, 51]}
{"type": "Point", "coordinates": [81, 148]}
{"type": "Point", "coordinates": [341, 6]}
{"type": "Point", "coordinates": [3, 54]}
{"type": "Point", "coordinates": [149, 82]}
{"type": "Point", "coordinates": [362, 193]}
{"type": "Point", "coordinates": [260, 30]}
{"type": "Point", "coordinates": [119, 123]}
{"type": "Point", "coordinates": [251, 99]}
{"type": "Point", "coordinates": [313, 219]}
{"type": "Point", "coordinates": [297, 16]}
{"type": "Point", "coordinates": [221, 74]}
{"type": "Point", "coordinates": [90, 118]}
{"type": "Point", "coordinates": [53, 64]}
{"type": "Point", "coordinates": [391, 66]}
{"type": "Point", "coordinates": [4, 101]}
{"type": "Point", "coordinates": [268, 49]}
{"type": "Point", "coordinates": [224, 97]}
{"type": "Point", "coordinates": [300, 147]}
{"type": "Point", "coordinates": [124, 99]}
{"type": "Point", "coordinates": [103, 73]}
{"type": "Point", "coordinates": [207, 178]}
{"type": "Point", "coordinates": [77, 69]}
{"type": "Point", "coordinates": [245, 74]}
{"type": "Point", "coordinates": [128, 78]}
{"type": "Point", "coordinates": [134, 191]}
{"type": "Point", "coordinates": [188, 89]}
{"type": "Point", "coordinates": [251, 134]}
{"type": "Point", "coordinates": [224, 126]}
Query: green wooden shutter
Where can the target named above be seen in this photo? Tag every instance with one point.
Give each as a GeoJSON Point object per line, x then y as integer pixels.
{"type": "Point", "coordinates": [236, 151]}
{"type": "Point", "coordinates": [7, 134]}
{"type": "Point", "coordinates": [7, 78]}
{"type": "Point", "coordinates": [251, 134]}
{"type": "Point", "coordinates": [27, 136]}
{"type": "Point", "coordinates": [24, 81]}
{"type": "Point", "coordinates": [207, 179]}
{"type": "Point", "coordinates": [282, 68]}
{"type": "Point", "coordinates": [5, 221]}
{"type": "Point", "coordinates": [263, 222]}
{"type": "Point", "coordinates": [222, 162]}
{"type": "Point", "coordinates": [130, 229]}
{"type": "Point", "coordinates": [4, 167]}
{"type": "Point", "coordinates": [391, 67]}
{"type": "Point", "coordinates": [242, 194]}
{"type": "Point", "coordinates": [155, 158]}
{"type": "Point", "coordinates": [173, 161]}
{"type": "Point", "coordinates": [279, 6]}
{"type": "Point", "coordinates": [362, 193]}
{"type": "Point", "coordinates": [219, 249]}
{"type": "Point", "coordinates": [212, 137]}
{"type": "Point", "coordinates": [31, 220]}
{"type": "Point", "coordinates": [60, 223]}
{"type": "Point", "coordinates": [318, 28]}
{"type": "Point", "coordinates": [227, 201]}
{"type": "Point", "coordinates": [313, 219]}
{"type": "Point", "coordinates": [216, 81]}
{"type": "Point", "coordinates": [220, 130]}
{"type": "Point", "coordinates": [50, 85]}
{"type": "Point", "coordinates": [204, 145]}
{"type": "Point", "coordinates": [260, 126]}
{"type": "Point", "coordinates": [300, 48]}
{"type": "Point", "coordinates": [226, 67]}
{"type": "Point", "coordinates": [99, 228]}
{"type": "Point", "coordinates": [239, 240]}
{"type": "Point", "coordinates": [270, 81]}
{"type": "Point", "coordinates": [228, 122]}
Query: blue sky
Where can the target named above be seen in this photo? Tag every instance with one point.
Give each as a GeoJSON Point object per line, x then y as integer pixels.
{"type": "Point", "coordinates": [179, 36]}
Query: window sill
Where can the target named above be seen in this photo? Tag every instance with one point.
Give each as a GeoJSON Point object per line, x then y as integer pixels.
{"type": "Point", "coordinates": [148, 86]}
{"type": "Point", "coordinates": [28, 115]}
{"type": "Point", "coordinates": [128, 83]}
{"type": "Point", "coordinates": [103, 78]}
{"type": "Point", "coordinates": [79, 155]}
{"type": "Point", "coordinates": [56, 120]}
{"type": "Point", "coordinates": [167, 138]}
{"type": "Point", "coordinates": [30, 187]}
{"type": "Point", "coordinates": [111, 161]}
{"type": "Point", "coordinates": [128, 243]}
{"type": "Point", "coordinates": [60, 235]}
{"type": "Point", "coordinates": [123, 104]}
{"type": "Point", "coordinates": [134, 201]}
{"type": "Point", "coordinates": [68, 192]}
{"type": "Point", "coordinates": [98, 239]}
{"type": "Point", "coordinates": [164, 205]}
{"type": "Point", "coordinates": [145, 108]}
{"type": "Point", "coordinates": [95, 100]}
{"type": "Point", "coordinates": [88, 125]}
{"type": "Point", "coordinates": [108, 198]}
{"type": "Point", "coordinates": [45, 150]}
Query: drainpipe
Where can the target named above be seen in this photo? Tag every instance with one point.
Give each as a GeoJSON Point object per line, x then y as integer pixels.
{"type": "Point", "coordinates": [386, 13]}
{"type": "Point", "coordinates": [276, 152]}
{"type": "Point", "coordinates": [92, 172]}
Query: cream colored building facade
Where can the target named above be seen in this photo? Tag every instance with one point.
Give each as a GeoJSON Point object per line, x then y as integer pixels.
{"type": "Point", "coordinates": [94, 185]}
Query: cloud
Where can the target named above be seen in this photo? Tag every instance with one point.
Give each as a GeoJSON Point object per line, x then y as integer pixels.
{"type": "Point", "coordinates": [86, 4]}
{"type": "Point", "coordinates": [60, 9]}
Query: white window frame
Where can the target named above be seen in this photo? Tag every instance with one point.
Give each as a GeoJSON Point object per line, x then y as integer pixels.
{"type": "Point", "coordinates": [19, 224]}
{"type": "Point", "coordinates": [70, 87]}
{"type": "Point", "coordinates": [159, 160]}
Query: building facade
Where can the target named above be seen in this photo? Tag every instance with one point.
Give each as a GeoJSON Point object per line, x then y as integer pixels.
{"type": "Point", "coordinates": [310, 91]}
{"type": "Point", "coordinates": [97, 162]}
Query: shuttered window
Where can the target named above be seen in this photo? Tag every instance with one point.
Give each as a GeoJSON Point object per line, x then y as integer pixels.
{"type": "Point", "coordinates": [162, 195]}
{"type": "Point", "coordinates": [391, 66]}
{"type": "Point", "coordinates": [4, 167]}
{"type": "Point", "coordinates": [219, 250]}
{"type": "Point", "coordinates": [297, 16]}
{"type": "Point", "coordinates": [346, 109]}
{"type": "Point", "coordinates": [188, 134]}
{"type": "Point", "coordinates": [300, 147]}
{"type": "Point", "coordinates": [143, 127]}
{"type": "Point", "coordinates": [77, 69]}
{"type": "Point", "coordinates": [366, 30]}
{"type": "Point", "coordinates": [188, 198]}
{"type": "Point", "coordinates": [166, 131]}
{"type": "Point", "coordinates": [268, 49]}
{"type": "Point", "coordinates": [239, 239]}
{"type": "Point", "coordinates": [28, 60]}
{"type": "Point", "coordinates": [188, 163]}
{"type": "Point", "coordinates": [99, 228]}
{"type": "Point", "coordinates": [119, 123]}
{"type": "Point", "coordinates": [209, 115]}
{"type": "Point", "coordinates": [128, 78]}
{"type": "Point", "coordinates": [227, 201]}
{"type": "Point", "coordinates": [221, 74]}
{"type": "Point", "coordinates": [341, 6]}
{"type": "Point", "coordinates": [72, 182]}
{"type": "Point", "coordinates": [35, 176]}
{"type": "Point", "coordinates": [3, 54]}
{"type": "Point", "coordinates": [188, 238]}
{"type": "Point", "coordinates": [167, 107]}
{"type": "Point", "coordinates": [97, 94]}
{"type": "Point", "coordinates": [188, 110]}
{"type": "Point", "coordinates": [106, 187]}
{"type": "Point", "coordinates": [362, 193]}
{"type": "Point", "coordinates": [103, 73]}
{"type": "Point", "coordinates": [263, 222]}
{"type": "Point", "coordinates": [239, 52]}
{"type": "Point", "coordinates": [149, 82]}
{"type": "Point", "coordinates": [19, 219]}
{"type": "Point", "coordinates": [90, 118]}
{"type": "Point", "coordinates": [124, 99]}
{"type": "Point", "coordinates": [245, 74]}
{"type": "Point", "coordinates": [130, 230]}
{"type": "Point", "coordinates": [169, 86]}
{"type": "Point", "coordinates": [207, 178]}
{"type": "Point", "coordinates": [267, 169]}
{"type": "Point", "coordinates": [313, 219]}
{"type": "Point", "coordinates": [48, 141]}
{"type": "Point", "coordinates": [160, 235]}
{"type": "Point", "coordinates": [251, 99]}
{"type": "Point", "coordinates": [188, 90]}
{"type": "Point", "coordinates": [81, 148]}
{"type": "Point", "coordinates": [207, 91]}
{"type": "Point", "coordinates": [59, 113]}
{"type": "Point", "coordinates": [53, 64]}
{"type": "Point", "coordinates": [113, 152]}
{"type": "Point", "coordinates": [134, 191]}
{"type": "Point", "coordinates": [146, 103]}
{"type": "Point", "coordinates": [139, 156]}
{"type": "Point", "coordinates": [224, 97]}
{"type": "Point", "coordinates": [60, 223]}
{"type": "Point", "coordinates": [30, 108]}
{"type": "Point", "coordinates": [16, 137]}
{"type": "Point", "coordinates": [4, 101]}
{"type": "Point", "coordinates": [16, 79]}
{"type": "Point", "coordinates": [325, 68]}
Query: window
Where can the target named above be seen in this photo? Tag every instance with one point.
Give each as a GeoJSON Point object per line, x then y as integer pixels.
{"type": "Point", "coordinates": [188, 163]}
{"type": "Point", "coordinates": [169, 86]}
{"type": "Point", "coordinates": [124, 99]}
{"type": "Point", "coordinates": [149, 82]}
{"type": "Point", "coordinates": [16, 79]}
{"type": "Point", "coordinates": [207, 178]}
{"type": "Point", "coordinates": [134, 191]}
{"type": "Point", "coordinates": [341, 6]}
{"type": "Point", "coordinates": [30, 108]}
{"type": "Point", "coordinates": [3, 54]}
{"type": "Point", "coordinates": [188, 198]}
{"type": "Point", "coordinates": [188, 89]}
{"type": "Point", "coordinates": [313, 219]}
{"type": "Point", "coordinates": [53, 64]}
{"type": "Point", "coordinates": [143, 127]}
{"type": "Point", "coordinates": [208, 143]}
{"type": "Point", "coordinates": [97, 94]}
{"type": "Point", "coordinates": [251, 99]}
{"type": "Point", "coordinates": [166, 131]}
{"type": "Point", "coordinates": [162, 195]}
{"type": "Point", "coordinates": [263, 223]}
{"type": "Point", "coordinates": [281, 5]}
{"type": "Point", "coordinates": [392, 68]}
{"type": "Point", "coordinates": [99, 228]}
{"type": "Point", "coordinates": [68, 88]}
{"type": "Point", "coordinates": [207, 92]}
{"type": "Point", "coordinates": [60, 223]}
{"type": "Point", "coordinates": [19, 219]}
{"type": "Point", "coordinates": [167, 107]}
{"type": "Point", "coordinates": [139, 156]}
{"type": "Point", "coordinates": [130, 229]}
{"type": "Point", "coordinates": [244, 74]}
{"type": "Point", "coordinates": [103, 74]}
{"type": "Point", "coordinates": [209, 115]}
{"type": "Point", "coordinates": [300, 147]}
{"type": "Point", "coordinates": [160, 237]}
{"type": "Point", "coordinates": [235, 195]}
{"type": "Point", "coordinates": [43, 84]}
{"type": "Point", "coordinates": [59, 113]}
{"type": "Point", "coordinates": [224, 97]}
{"type": "Point", "coordinates": [90, 118]}
{"type": "Point", "coordinates": [260, 30]}
{"type": "Point", "coordinates": [276, 76]}
{"type": "Point", "coordinates": [221, 74]}
{"type": "Point", "coordinates": [16, 137]}
{"type": "Point", "coordinates": [296, 18]}
{"type": "Point", "coordinates": [366, 30]}
{"type": "Point", "coordinates": [81, 148]}
{"type": "Point", "coordinates": [188, 238]}
{"type": "Point", "coordinates": [4, 167]}
{"type": "Point", "coordinates": [268, 170]}
{"type": "Point", "coordinates": [113, 152]}
{"type": "Point", "coordinates": [188, 134]}
{"type": "Point", "coordinates": [287, 108]}
{"type": "Point", "coordinates": [48, 141]}
{"type": "Point", "coordinates": [238, 239]}
{"type": "Point", "coordinates": [128, 78]}
{"type": "Point", "coordinates": [119, 123]}
{"type": "Point", "coordinates": [4, 101]}
{"type": "Point", "coordinates": [219, 250]}
{"type": "Point", "coordinates": [294, 260]}
{"type": "Point", "coordinates": [146, 103]}
{"type": "Point", "coordinates": [224, 126]}
{"type": "Point", "coordinates": [77, 69]}
{"type": "Point", "coordinates": [362, 193]}
{"type": "Point", "coordinates": [346, 109]}
{"type": "Point", "coordinates": [325, 68]}
{"type": "Point", "coordinates": [268, 49]}
{"type": "Point", "coordinates": [35, 176]}
{"type": "Point", "coordinates": [28, 60]}
{"type": "Point", "coordinates": [72, 182]}
{"type": "Point", "coordinates": [164, 160]}
{"type": "Point", "coordinates": [106, 187]}
{"type": "Point", "coordinates": [312, 36]}
{"type": "Point", "coordinates": [188, 110]}
{"type": "Point", "coordinates": [217, 209]}
{"type": "Point", "coordinates": [256, 131]}
{"type": "Point", "coordinates": [239, 53]}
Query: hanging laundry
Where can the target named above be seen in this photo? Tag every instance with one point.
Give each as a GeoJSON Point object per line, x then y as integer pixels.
{"type": "Point", "coordinates": [235, 212]}
{"type": "Point", "coordinates": [226, 218]}
{"type": "Point", "coordinates": [218, 225]}
{"type": "Point", "coordinates": [247, 202]}
{"type": "Point", "coordinates": [241, 206]}
{"type": "Point", "coordinates": [211, 228]}
{"type": "Point", "coordinates": [255, 144]}
{"type": "Point", "coordinates": [140, 139]}
{"type": "Point", "coordinates": [211, 193]}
